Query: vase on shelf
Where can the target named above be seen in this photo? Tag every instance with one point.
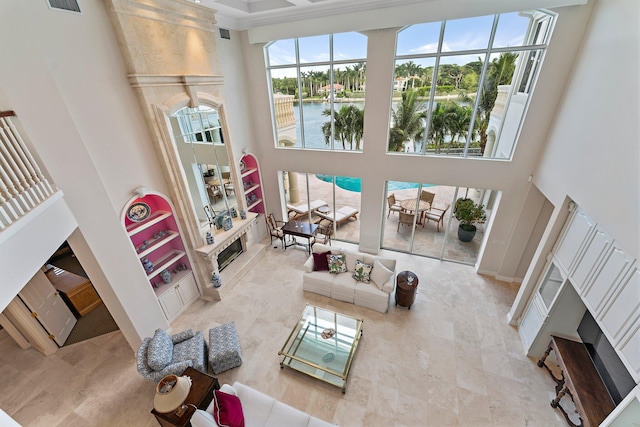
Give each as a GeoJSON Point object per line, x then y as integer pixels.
{"type": "Point", "coordinates": [227, 223]}
{"type": "Point", "coordinates": [147, 264]}
{"type": "Point", "coordinates": [165, 275]}
{"type": "Point", "coordinates": [243, 214]}
{"type": "Point", "coordinates": [209, 238]}
{"type": "Point", "coordinates": [234, 212]}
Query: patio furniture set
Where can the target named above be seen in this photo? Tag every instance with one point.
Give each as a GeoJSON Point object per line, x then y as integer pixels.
{"type": "Point", "coordinates": [422, 207]}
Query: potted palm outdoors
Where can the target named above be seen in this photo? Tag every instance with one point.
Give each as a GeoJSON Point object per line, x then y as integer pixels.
{"type": "Point", "coordinates": [468, 213]}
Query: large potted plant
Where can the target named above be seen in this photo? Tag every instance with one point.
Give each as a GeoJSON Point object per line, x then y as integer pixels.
{"type": "Point", "coordinates": [468, 213]}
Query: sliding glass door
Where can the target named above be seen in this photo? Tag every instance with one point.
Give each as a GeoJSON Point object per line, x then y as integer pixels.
{"type": "Point", "coordinates": [419, 220]}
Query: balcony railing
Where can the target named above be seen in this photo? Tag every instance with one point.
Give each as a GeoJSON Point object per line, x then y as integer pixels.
{"type": "Point", "coordinates": [22, 184]}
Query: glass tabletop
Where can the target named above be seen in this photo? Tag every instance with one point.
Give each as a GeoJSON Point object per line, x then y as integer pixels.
{"type": "Point", "coordinates": [322, 345]}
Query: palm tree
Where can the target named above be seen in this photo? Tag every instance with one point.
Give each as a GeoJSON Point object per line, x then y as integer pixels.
{"type": "Point", "coordinates": [348, 126]}
{"type": "Point", "coordinates": [406, 120]}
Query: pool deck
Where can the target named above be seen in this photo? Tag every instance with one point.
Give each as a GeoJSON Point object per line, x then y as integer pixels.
{"type": "Point", "coordinates": [428, 241]}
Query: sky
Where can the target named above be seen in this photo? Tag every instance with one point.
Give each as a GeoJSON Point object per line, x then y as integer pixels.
{"type": "Point", "coordinates": [460, 34]}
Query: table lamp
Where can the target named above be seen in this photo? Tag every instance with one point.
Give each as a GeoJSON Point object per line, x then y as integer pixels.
{"type": "Point", "coordinates": [171, 393]}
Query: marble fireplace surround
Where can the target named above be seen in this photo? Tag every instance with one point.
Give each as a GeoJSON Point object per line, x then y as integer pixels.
{"type": "Point", "coordinates": [223, 239]}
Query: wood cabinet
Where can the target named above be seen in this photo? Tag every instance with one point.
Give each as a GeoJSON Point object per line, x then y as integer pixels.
{"type": "Point", "coordinates": [76, 291]}
{"type": "Point", "coordinates": [252, 183]}
{"type": "Point", "coordinates": [158, 243]}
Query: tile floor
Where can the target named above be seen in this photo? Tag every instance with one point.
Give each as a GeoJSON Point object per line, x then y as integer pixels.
{"type": "Point", "coordinates": [449, 361]}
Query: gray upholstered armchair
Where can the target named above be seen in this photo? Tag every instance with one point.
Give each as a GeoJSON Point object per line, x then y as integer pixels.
{"type": "Point", "coordinates": [165, 354]}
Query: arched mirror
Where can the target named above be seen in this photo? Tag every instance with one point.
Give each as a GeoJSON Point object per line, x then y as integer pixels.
{"type": "Point", "coordinates": [205, 159]}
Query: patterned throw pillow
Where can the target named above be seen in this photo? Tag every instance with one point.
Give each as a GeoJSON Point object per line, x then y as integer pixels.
{"type": "Point", "coordinates": [337, 263]}
{"type": "Point", "coordinates": [362, 271]}
{"type": "Point", "coordinates": [160, 350]}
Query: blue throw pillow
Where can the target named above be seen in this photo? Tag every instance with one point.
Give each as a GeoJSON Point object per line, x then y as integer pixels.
{"type": "Point", "coordinates": [160, 351]}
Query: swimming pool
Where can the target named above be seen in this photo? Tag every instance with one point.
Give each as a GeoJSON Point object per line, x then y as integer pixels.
{"type": "Point", "coordinates": [355, 184]}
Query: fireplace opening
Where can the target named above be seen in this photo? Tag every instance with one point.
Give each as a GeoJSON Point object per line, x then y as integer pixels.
{"type": "Point", "coordinates": [229, 254]}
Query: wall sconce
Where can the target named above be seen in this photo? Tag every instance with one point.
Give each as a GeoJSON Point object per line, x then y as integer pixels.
{"type": "Point", "coordinates": [171, 392]}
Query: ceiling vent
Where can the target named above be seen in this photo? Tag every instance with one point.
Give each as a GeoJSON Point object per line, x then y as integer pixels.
{"type": "Point", "coordinates": [68, 5]}
{"type": "Point", "coordinates": [225, 34]}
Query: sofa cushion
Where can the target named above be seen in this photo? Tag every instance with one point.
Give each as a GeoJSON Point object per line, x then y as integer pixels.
{"type": "Point", "coordinates": [257, 405]}
{"type": "Point", "coordinates": [321, 247]}
{"type": "Point", "coordinates": [320, 262]}
{"type": "Point", "coordinates": [318, 282]}
{"type": "Point", "coordinates": [342, 287]}
{"type": "Point", "coordinates": [368, 295]}
{"type": "Point", "coordinates": [283, 415]}
{"type": "Point", "coordinates": [380, 274]}
{"type": "Point", "coordinates": [227, 410]}
{"type": "Point", "coordinates": [352, 257]}
{"type": "Point", "coordinates": [160, 351]}
{"type": "Point", "coordinates": [362, 271]}
{"type": "Point", "coordinates": [337, 263]}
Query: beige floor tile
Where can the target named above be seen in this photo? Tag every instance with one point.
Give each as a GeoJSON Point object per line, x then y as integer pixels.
{"type": "Point", "coordinates": [450, 360]}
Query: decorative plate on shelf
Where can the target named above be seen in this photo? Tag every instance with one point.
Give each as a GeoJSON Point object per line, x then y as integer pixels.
{"type": "Point", "coordinates": [138, 212]}
{"type": "Point", "coordinates": [243, 167]}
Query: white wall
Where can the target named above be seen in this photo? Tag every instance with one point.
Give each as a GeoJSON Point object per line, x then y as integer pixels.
{"type": "Point", "coordinates": [375, 166]}
{"type": "Point", "coordinates": [593, 146]}
{"type": "Point", "coordinates": [64, 76]}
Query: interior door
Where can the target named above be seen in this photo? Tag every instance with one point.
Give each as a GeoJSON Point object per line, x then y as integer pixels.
{"type": "Point", "coordinates": [52, 313]}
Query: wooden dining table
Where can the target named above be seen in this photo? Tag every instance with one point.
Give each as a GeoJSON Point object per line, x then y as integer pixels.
{"type": "Point", "coordinates": [300, 229]}
{"type": "Point", "coordinates": [409, 205]}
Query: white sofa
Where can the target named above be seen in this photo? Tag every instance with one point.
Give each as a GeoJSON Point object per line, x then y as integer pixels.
{"type": "Point", "coordinates": [259, 410]}
{"type": "Point", "coordinates": [375, 295]}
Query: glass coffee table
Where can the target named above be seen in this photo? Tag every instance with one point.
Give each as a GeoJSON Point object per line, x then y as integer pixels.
{"type": "Point", "coordinates": [322, 345]}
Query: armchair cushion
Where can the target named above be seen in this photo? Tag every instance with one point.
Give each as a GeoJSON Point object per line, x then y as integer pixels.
{"type": "Point", "coordinates": [182, 336]}
{"type": "Point", "coordinates": [160, 351]}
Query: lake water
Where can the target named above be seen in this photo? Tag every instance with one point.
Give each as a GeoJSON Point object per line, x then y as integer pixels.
{"type": "Point", "coordinates": [313, 121]}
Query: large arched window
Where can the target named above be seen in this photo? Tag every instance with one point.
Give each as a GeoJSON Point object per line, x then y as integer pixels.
{"type": "Point", "coordinates": [461, 87]}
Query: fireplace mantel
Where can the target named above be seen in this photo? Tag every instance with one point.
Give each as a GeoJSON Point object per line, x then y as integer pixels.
{"type": "Point", "coordinates": [222, 240]}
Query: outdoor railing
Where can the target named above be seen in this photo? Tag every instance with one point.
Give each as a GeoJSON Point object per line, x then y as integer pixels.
{"type": "Point", "coordinates": [22, 184]}
{"type": "Point", "coordinates": [283, 105]}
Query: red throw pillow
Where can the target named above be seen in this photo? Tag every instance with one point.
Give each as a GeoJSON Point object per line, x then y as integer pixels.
{"type": "Point", "coordinates": [320, 262]}
{"type": "Point", "coordinates": [227, 410]}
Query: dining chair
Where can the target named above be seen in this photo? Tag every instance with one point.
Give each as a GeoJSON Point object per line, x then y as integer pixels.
{"type": "Point", "coordinates": [437, 215]}
{"type": "Point", "coordinates": [393, 205]}
{"type": "Point", "coordinates": [406, 219]}
{"type": "Point", "coordinates": [275, 229]}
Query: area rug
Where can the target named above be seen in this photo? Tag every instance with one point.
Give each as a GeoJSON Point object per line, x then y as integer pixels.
{"type": "Point", "coordinates": [95, 323]}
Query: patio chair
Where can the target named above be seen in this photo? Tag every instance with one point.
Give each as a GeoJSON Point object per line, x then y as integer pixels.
{"type": "Point", "coordinates": [393, 206]}
{"type": "Point", "coordinates": [437, 215]}
{"type": "Point", "coordinates": [427, 196]}
{"type": "Point", "coordinates": [406, 219]}
{"type": "Point", "coordinates": [297, 211]}
{"type": "Point", "coordinates": [275, 229]}
{"type": "Point", "coordinates": [342, 215]}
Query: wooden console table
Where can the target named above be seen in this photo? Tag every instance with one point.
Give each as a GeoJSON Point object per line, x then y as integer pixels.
{"type": "Point", "coordinates": [580, 380]}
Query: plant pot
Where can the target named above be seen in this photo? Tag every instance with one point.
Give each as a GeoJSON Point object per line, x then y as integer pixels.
{"type": "Point", "coordinates": [466, 235]}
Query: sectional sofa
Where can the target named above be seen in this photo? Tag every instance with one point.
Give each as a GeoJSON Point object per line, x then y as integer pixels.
{"type": "Point", "coordinates": [372, 292]}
